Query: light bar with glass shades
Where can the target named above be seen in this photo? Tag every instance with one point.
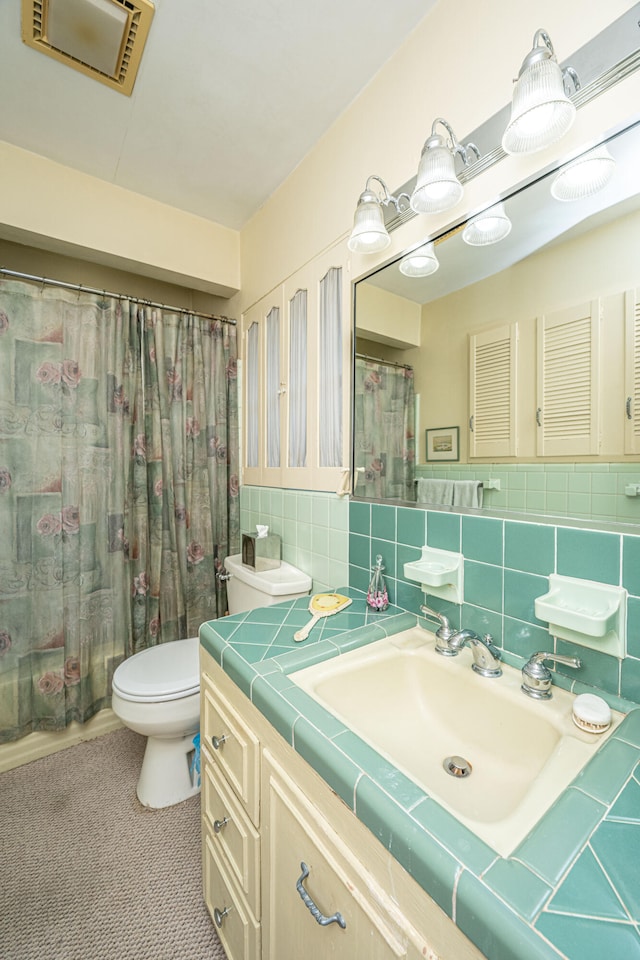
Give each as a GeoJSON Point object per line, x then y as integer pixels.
{"type": "Point", "coordinates": [541, 111]}
{"type": "Point", "coordinates": [487, 227]}
{"type": "Point", "coordinates": [369, 234]}
{"type": "Point", "coordinates": [437, 185]}
{"type": "Point", "coordinates": [421, 262]}
{"type": "Point", "coordinates": [584, 176]}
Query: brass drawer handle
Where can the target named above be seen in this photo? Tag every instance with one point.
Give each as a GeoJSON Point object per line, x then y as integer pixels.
{"type": "Point", "coordinates": [310, 905]}
{"type": "Point", "coordinates": [219, 915]}
{"type": "Point", "coordinates": [218, 741]}
{"type": "Point", "coordinates": [219, 825]}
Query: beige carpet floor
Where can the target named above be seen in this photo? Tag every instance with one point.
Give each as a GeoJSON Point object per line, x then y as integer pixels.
{"type": "Point", "coordinates": [88, 873]}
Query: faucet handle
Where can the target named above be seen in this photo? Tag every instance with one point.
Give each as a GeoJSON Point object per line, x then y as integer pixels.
{"type": "Point", "coordinates": [537, 679]}
{"type": "Point", "coordinates": [444, 632]}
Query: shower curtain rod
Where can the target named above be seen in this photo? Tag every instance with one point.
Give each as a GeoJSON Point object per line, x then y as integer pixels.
{"type": "Point", "coordinates": [116, 296]}
{"type": "Point", "coordinates": [390, 363]}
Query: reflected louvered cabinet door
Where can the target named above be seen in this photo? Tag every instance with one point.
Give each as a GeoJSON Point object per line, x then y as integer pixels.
{"type": "Point", "coordinates": [632, 372]}
{"type": "Point", "coordinates": [567, 410]}
{"type": "Point", "coordinates": [492, 392]}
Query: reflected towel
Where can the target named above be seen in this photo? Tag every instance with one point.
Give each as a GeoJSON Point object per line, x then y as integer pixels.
{"type": "Point", "coordinates": [435, 491]}
{"type": "Point", "coordinates": [467, 493]}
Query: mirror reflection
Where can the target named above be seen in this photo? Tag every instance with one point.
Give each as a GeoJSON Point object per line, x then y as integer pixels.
{"type": "Point", "coordinates": [511, 369]}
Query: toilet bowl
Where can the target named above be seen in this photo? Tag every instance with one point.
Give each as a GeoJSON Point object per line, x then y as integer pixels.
{"type": "Point", "coordinates": [157, 692]}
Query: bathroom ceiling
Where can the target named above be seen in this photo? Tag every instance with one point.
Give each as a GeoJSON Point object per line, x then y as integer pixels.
{"type": "Point", "coordinates": [229, 98]}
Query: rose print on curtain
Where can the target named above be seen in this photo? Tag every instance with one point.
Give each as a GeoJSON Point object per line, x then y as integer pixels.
{"type": "Point", "coordinates": [184, 516]}
{"type": "Point", "coordinates": [64, 463]}
{"type": "Point", "coordinates": [384, 417]}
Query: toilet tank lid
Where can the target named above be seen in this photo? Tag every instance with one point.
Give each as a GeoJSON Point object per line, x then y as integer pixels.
{"type": "Point", "coordinates": [168, 671]}
{"type": "Point", "coordinates": [276, 583]}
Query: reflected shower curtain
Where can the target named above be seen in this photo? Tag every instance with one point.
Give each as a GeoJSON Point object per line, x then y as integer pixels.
{"type": "Point", "coordinates": [184, 516]}
{"type": "Point", "coordinates": [384, 419]}
{"type": "Point", "coordinates": [66, 362]}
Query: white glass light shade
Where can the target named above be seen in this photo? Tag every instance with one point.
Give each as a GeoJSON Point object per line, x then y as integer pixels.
{"type": "Point", "coordinates": [369, 234]}
{"type": "Point", "coordinates": [584, 176]}
{"type": "Point", "coordinates": [541, 112]}
{"type": "Point", "coordinates": [488, 227]}
{"type": "Point", "coordinates": [420, 263]}
{"type": "Point", "coordinates": [437, 186]}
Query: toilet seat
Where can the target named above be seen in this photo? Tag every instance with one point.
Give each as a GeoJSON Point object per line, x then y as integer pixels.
{"type": "Point", "coordinates": [169, 671]}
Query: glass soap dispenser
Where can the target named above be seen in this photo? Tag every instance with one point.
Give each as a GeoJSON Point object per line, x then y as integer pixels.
{"type": "Point", "coordinates": [377, 596]}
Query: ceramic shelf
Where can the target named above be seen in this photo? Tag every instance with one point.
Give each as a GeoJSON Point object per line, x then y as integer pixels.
{"type": "Point", "coordinates": [439, 572]}
{"type": "Point", "coordinates": [585, 612]}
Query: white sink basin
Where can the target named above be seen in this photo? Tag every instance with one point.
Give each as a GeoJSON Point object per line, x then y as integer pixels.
{"type": "Point", "coordinates": [417, 708]}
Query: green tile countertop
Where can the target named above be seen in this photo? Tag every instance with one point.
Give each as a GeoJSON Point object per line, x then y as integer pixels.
{"type": "Point", "coordinates": [569, 890]}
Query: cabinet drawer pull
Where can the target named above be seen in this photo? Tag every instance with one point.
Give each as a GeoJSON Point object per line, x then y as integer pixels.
{"type": "Point", "coordinates": [628, 408]}
{"type": "Point", "coordinates": [218, 741]}
{"type": "Point", "coordinates": [219, 915]}
{"type": "Point", "coordinates": [219, 825]}
{"type": "Point", "coordinates": [310, 905]}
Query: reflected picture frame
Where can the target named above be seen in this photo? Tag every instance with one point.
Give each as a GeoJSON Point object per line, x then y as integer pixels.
{"type": "Point", "coordinates": [443, 443]}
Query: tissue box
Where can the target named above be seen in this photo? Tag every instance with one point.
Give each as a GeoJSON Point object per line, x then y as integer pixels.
{"type": "Point", "coordinates": [261, 553]}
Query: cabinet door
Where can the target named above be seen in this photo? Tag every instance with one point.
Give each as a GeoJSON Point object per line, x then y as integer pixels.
{"type": "Point", "coordinates": [234, 747]}
{"type": "Point", "coordinates": [317, 364]}
{"type": "Point", "coordinates": [294, 833]}
{"type": "Point", "coordinates": [492, 392]}
{"type": "Point", "coordinates": [632, 372]}
{"type": "Point", "coordinates": [567, 412]}
{"type": "Point", "coordinates": [236, 926]}
{"type": "Point", "coordinates": [263, 390]}
{"type": "Point", "coordinates": [231, 831]}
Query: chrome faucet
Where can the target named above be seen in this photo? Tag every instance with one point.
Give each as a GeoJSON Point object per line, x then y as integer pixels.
{"type": "Point", "coordinates": [444, 632]}
{"type": "Point", "coordinates": [486, 656]}
{"type": "Point", "coordinates": [537, 679]}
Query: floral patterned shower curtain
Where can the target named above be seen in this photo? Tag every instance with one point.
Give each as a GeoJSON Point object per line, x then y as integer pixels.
{"type": "Point", "coordinates": [112, 500]}
{"type": "Point", "coordinates": [384, 441]}
{"type": "Point", "coordinates": [65, 376]}
{"type": "Point", "coordinates": [184, 516]}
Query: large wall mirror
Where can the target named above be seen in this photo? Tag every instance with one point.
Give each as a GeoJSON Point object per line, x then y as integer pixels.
{"type": "Point", "coordinates": [516, 363]}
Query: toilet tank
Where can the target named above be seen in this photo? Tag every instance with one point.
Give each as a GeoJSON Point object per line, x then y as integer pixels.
{"type": "Point", "coordinates": [248, 588]}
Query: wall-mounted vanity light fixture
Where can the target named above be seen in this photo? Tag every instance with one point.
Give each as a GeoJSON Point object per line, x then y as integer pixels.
{"type": "Point", "coordinates": [487, 227]}
{"type": "Point", "coordinates": [420, 263]}
{"type": "Point", "coordinates": [369, 234]}
{"type": "Point", "coordinates": [541, 111]}
{"type": "Point", "coordinates": [584, 176]}
{"type": "Point", "coordinates": [437, 185]}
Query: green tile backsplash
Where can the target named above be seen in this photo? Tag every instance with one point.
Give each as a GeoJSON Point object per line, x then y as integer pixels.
{"type": "Point", "coordinates": [587, 491]}
{"type": "Point", "coordinates": [507, 564]}
{"type": "Point", "coordinates": [314, 528]}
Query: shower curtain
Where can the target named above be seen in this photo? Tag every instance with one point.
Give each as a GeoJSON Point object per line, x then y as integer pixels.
{"type": "Point", "coordinates": [85, 578]}
{"type": "Point", "coordinates": [384, 440]}
{"type": "Point", "coordinates": [183, 516]}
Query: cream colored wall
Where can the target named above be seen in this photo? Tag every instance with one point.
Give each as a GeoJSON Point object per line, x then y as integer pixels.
{"type": "Point", "coordinates": [458, 64]}
{"type": "Point", "coordinates": [55, 266]}
{"type": "Point", "coordinates": [388, 318]}
{"type": "Point", "coordinates": [44, 204]}
{"type": "Point", "coordinates": [602, 263]}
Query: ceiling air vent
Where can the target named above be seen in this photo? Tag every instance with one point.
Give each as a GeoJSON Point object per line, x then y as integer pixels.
{"type": "Point", "coordinates": [103, 39]}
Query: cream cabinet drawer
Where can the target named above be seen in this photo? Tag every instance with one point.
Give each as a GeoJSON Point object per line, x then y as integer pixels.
{"type": "Point", "coordinates": [232, 745]}
{"type": "Point", "coordinates": [231, 831]}
{"type": "Point", "coordinates": [236, 926]}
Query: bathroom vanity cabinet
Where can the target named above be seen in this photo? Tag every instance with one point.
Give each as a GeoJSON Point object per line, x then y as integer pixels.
{"type": "Point", "coordinates": [265, 812]}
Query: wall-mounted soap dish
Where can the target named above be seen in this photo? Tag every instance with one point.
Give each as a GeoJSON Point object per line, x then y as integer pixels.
{"type": "Point", "coordinates": [585, 612]}
{"type": "Point", "coordinates": [440, 573]}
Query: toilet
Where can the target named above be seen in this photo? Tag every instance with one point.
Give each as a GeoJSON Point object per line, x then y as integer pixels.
{"type": "Point", "coordinates": [157, 692]}
{"type": "Point", "coordinates": [248, 588]}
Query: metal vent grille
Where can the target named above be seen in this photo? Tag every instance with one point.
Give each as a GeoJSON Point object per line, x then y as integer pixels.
{"type": "Point", "coordinates": [37, 25]}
